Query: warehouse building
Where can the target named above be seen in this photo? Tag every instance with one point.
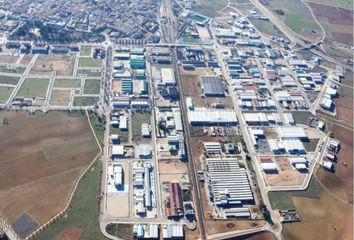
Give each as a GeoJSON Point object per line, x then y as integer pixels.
{"type": "Point", "coordinates": [172, 231]}
{"type": "Point", "coordinates": [228, 183]}
{"type": "Point", "coordinates": [167, 77]}
{"type": "Point", "coordinates": [292, 132]}
{"type": "Point", "coordinates": [146, 231]}
{"type": "Point", "coordinates": [210, 116]}
{"type": "Point", "coordinates": [212, 86]}
{"type": "Point", "coordinates": [174, 203]}
{"type": "Point", "coordinates": [212, 147]}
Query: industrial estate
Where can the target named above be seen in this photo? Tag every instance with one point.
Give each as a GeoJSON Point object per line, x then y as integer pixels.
{"type": "Point", "coordinates": [166, 120]}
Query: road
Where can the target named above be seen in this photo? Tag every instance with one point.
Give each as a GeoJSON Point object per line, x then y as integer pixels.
{"type": "Point", "coordinates": [192, 169]}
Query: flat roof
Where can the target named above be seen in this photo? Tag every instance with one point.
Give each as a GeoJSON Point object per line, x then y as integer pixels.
{"type": "Point", "coordinates": [212, 85]}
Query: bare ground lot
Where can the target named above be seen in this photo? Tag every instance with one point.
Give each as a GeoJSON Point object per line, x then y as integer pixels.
{"type": "Point", "coordinates": [172, 166]}
{"type": "Point", "coordinates": [287, 176]}
{"type": "Point", "coordinates": [8, 59]}
{"type": "Point", "coordinates": [39, 166]}
{"type": "Point", "coordinates": [321, 218]}
{"type": "Point", "coordinates": [344, 106]}
{"type": "Point", "coordinates": [344, 168]}
{"type": "Point", "coordinates": [46, 64]}
{"type": "Point", "coordinates": [60, 97]}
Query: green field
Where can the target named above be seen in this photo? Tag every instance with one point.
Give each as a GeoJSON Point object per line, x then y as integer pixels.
{"type": "Point", "coordinates": [302, 117]}
{"type": "Point", "coordinates": [34, 87]}
{"type": "Point", "coordinates": [123, 135]}
{"type": "Point", "coordinates": [85, 50]}
{"type": "Point", "coordinates": [137, 119]}
{"type": "Point", "coordinates": [92, 86]}
{"type": "Point", "coordinates": [123, 231]}
{"type": "Point", "coordinates": [282, 200]}
{"type": "Point", "coordinates": [311, 145]}
{"type": "Point", "coordinates": [17, 70]}
{"type": "Point", "coordinates": [67, 83]}
{"type": "Point", "coordinates": [98, 126]}
{"type": "Point", "coordinates": [297, 23]}
{"type": "Point", "coordinates": [5, 93]}
{"type": "Point", "coordinates": [9, 80]}
{"type": "Point", "coordinates": [88, 73]}
{"type": "Point", "coordinates": [208, 8]}
{"type": "Point", "coordinates": [296, 14]}
{"type": "Point", "coordinates": [267, 27]}
{"type": "Point", "coordinates": [85, 101]}
{"type": "Point", "coordinates": [84, 210]}
{"type": "Point", "coordinates": [90, 62]}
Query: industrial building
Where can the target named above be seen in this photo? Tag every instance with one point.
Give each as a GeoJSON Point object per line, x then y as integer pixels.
{"type": "Point", "coordinates": [228, 183]}
{"type": "Point", "coordinates": [167, 77]}
{"type": "Point", "coordinates": [172, 231]}
{"type": "Point", "coordinates": [174, 202]}
{"type": "Point", "coordinates": [212, 147]}
{"type": "Point", "coordinates": [210, 116]}
{"type": "Point", "coordinates": [143, 186]}
{"type": "Point", "coordinates": [146, 231]}
{"type": "Point", "coordinates": [292, 132]}
{"type": "Point", "coordinates": [212, 86]}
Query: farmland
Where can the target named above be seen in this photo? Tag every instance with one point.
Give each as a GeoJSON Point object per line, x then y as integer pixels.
{"type": "Point", "coordinates": [85, 50]}
{"type": "Point", "coordinates": [34, 87]}
{"type": "Point", "coordinates": [17, 70]}
{"type": "Point", "coordinates": [39, 167]}
{"type": "Point", "coordinates": [321, 218]}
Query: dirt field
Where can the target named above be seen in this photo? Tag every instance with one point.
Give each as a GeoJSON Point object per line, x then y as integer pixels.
{"type": "Point", "coordinates": [26, 59]}
{"type": "Point", "coordinates": [222, 226]}
{"type": "Point", "coordinates": [287, 176]}
{"type": "Point", "coordinates": [172, 166]}
{"type": "Point", "coordinates": [117, 85]}
{"type": "Point", "coordinates": [257, 236]}
{"type": "Point", "coordinates": [38, 167]}
{"type": "Point", "coordinates": [344, 169]}
{"type": "Point", "coordinates": [344, 106]}
{"type": "Point", "coordinates": [46, 64]}
{"type": "Point", "coordinates": [8, 59]}
{"type": "Point", "coordinates": [73, 233]}
{"type": "Point", "coordinates": [340, 21]}
{"type": "Point", "coordinates": [324, 218]}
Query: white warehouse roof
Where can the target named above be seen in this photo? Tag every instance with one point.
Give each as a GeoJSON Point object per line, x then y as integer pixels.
{"type": "Point", "coordinates": [291, 132]}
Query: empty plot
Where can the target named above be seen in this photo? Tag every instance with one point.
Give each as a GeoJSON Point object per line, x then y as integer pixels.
{"type": "Point", "coordinates": [67, 82]}
{"type": "Point", "coordinates": [39, 167]}
{"type": "Point", "coordinates": [63, 65]}
{"type": "Point", "coordinates": [9, 59]}
{"type": "Point", "coordinates": [60, 97]}
{"type": "Point", "coordinates": [16, 70]}
{"type": "Point", "coordinates": [5, 93]}
{"type": "Point", "coordinates": [9, 80]}
{"type": "Point", "coordinates": [92, 86]}
{"type": "Point", "coordinates": [85, 101]}
{"type": "Point", "coordinates": [34, 87]}
{"type": "Point", "coordinates": [90, 62]}
{"type": "Point", "coordinates": [85, 50]}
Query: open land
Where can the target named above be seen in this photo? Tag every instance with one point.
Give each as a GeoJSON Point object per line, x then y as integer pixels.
{"type": "Point", "coordinates": [39, 167]}
{"type": "Point", "coordinates": [45, 64]}
{"type": "Point", "coordinates": [85, 101]}
{"type": "Point", "coordinates": [34, 87]}
{"type": "Point", "coordinates": [92, 86]}
{"type": "Point", "coordinates": [81, 220]}
{"type": "Point", "coordinates": [67, 82]}
{"type": "Point", "coordinates": [89, 62]}
{"type": "Point", "coordinates": [60, 97]}
{"type": "Point", "coordinates": [5, 93]}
